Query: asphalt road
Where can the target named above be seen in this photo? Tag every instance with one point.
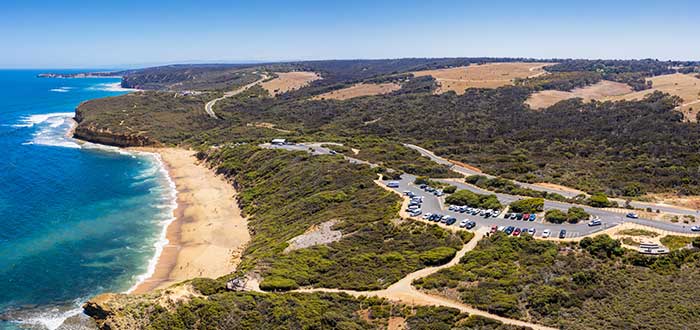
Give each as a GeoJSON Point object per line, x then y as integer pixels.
{"type": "Point", "coordinates": [209, 107]}
{"type": "Point", "coordinates": [433, 204]}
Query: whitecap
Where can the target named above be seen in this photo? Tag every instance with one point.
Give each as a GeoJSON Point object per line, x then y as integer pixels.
{"type": "Point", "coordinates": [168, 215]}
{"type": "Point", "coordinates": [110, 87]}
{"type": "Point", "coordinates": [30, 121]}
{"type": "Point", "coordinates": [63, 89]}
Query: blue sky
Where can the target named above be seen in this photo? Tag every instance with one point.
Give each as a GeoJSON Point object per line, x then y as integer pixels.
{"type": "Point", "coordinates": [54, 34]}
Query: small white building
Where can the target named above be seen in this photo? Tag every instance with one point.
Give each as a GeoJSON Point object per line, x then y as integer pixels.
{"type": "Point", "coordinates": [279, 141]}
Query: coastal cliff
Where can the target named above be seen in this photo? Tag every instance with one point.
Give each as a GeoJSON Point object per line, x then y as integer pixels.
{"type": "Point", "coordinates": [92, 132]}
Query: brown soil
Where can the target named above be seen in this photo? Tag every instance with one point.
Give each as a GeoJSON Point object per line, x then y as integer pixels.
{"type": "Point", "coordinates": [358, 90]}
{"type": "Point", "coordinates": [490, 75]}
{"type": "Point", "coordinates": [559, 187]}
{"type": "Point", "coordinates": [287, 81]}
{"type": "Point", "coordinates": [685, 86]}
{"type": "Point", "coordinates": [597, 91]}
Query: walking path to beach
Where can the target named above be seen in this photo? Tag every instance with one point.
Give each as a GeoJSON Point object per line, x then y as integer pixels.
{"type": "Point", "coordinates": [209, 107]}
{"type": "Point", "coordinates": [209, 233]}
{"type": "Point", "coordinates": [403, 292]}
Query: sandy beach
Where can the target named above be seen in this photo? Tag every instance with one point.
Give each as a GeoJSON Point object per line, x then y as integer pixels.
{"type": "Point", "coordinates": [208, 235]}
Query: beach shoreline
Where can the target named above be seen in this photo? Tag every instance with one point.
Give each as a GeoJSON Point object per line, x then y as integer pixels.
{"type": "Point", "coordinates": [208, 233]}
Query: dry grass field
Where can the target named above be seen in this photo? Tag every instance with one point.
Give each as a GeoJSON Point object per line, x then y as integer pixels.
{"type": "Point", "coordinates": [598, 91]}
{"type": "Point", "coordinates": [490, 75]}
{"type": "Point", "coordinates": [685, 86]}
{"type": "Point", "coordinates": [359, 90]}
{"type": "Point", "coordinates": [287, 81]}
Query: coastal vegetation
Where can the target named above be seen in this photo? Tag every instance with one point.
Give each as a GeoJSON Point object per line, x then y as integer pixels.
{"type": "Point", "coordinates": [252, 310]}
{"type": "Point", "coordinates": [471, 199]}
{"type": "Point", "coordinates": [285, 193]}
{"type": "Point", "coordinates": [594, 284]}
{"type": "Point", "coordinates": [572, 215]}
{"type": "Point", "coordinates": [527, 205]}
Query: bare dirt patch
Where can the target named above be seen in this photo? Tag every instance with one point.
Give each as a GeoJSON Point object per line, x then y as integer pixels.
{"type": "Point", "coordinates": [287, 81]}
{"type": "Point", "coordinates": [358, 90]}
{"type": "Point", "coordinates": [559, 187]}
{"type": "Point", "coordinates": [489, 75]}
{"type": "Point", "coordinates": [268, 126]}
{"type": "Point", "coordinates": [397, 323]}
{"type": "Point", "coordinates": [316, 235]}
{"type": "Point", "coordinates": [597, 91]}
{"type": "Point", "coordinates": [685, 86]}
{"type": "Point", "coordinates": [691, 202]}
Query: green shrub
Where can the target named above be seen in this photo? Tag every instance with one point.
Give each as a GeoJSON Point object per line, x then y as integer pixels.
{"type": "Point", "coordinates": [273, 283]}
{"type": "Point", "coordinates": [555, 216]}
{"type": "Point", "coordinates": [437, 256]}
{"type": "Point", "coordinates": [471, 199]}
{"type": "Point", "coordinates": [528, 205]}
{"type": "Point", "coordinates": [576, 214]}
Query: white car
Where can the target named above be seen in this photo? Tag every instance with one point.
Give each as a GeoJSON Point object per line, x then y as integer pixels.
{"type": "Point", "coordinates": [695, 228]}
{"type": "Point", "coordinates": [463, 223]}
{"type": "Point", "coordinates": [546, 233]}
{"type": "Point", "coordinates": [427, 215]}
{"type": "Point", "coordinates": [501, 228]}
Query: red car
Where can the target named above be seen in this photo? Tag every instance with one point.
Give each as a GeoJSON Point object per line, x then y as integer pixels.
{"type": "Point", "coordinates": [516, 232]}
{"type": "Point", "coordinates": [494, 229]}
{"type": "Point", "coordinates": [526, 216]}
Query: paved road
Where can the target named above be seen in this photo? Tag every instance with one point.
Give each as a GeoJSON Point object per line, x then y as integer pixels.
{"type": "Point", "coordinates": [209, 107]}
{"type": "Point", "coordinates": [565, 193]}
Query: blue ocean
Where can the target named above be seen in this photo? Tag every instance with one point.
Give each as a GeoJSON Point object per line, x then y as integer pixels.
{"type": "Point", "coordinates": [75, 219]}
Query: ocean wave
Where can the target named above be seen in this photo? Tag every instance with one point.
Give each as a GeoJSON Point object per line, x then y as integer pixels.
{"type": "Point", "coordinates": [30, 121]}
{"type": "Point", "coordinates": [110, 87]}
{"type": "Point", "coordinates": [168, 214]}
{"type": "Point", "coordinates": [63, 89]}
{"type": "Point", "coordinates": [48, 317]}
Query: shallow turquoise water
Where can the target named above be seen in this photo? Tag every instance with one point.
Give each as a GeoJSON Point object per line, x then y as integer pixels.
{"type": "Point", "coordinates": [75, 220]}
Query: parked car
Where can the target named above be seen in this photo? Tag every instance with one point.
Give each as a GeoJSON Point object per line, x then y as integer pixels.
{"type": "Point", "coordinates": [546, 233]}
{"type": "Point", "coordinates": [495, 213]}
{"type": "Point", "coordinates": [451, 208]}
{"type": "Point", "coordinates": [695, 228]}
{"type": "Point", "coordinates": [471, 224]}
{"type": "Point", "coordinates": [533, 217]}
{"type": "Point", "coordinates": [509, 230]}
{"type": "Point", "coordinates": [501, 228]}
{"type": "Point", "coordinates": [494, 229]}
{"type": "Point", "coordinates": [519, 216]}
{"type": "Point", "coordinates": [423, 186]}
{"type": "Point", "coordinates": [451, 220]}
{"type": "Point", "coordinates": [463, 223]}
{"type": "Point", "coordinates": [595, 222]}
{"type": "Point", "coordinates": [562, 233]}
{"type": "Point", "coordinates": [516, 232]}
{"type": "Point", "coordinates": [507, 216]}
{"type": "Point", "coordinates": [427, 216]}
{"type": "Point", "coordinates": [532, 231]}
{"type": "Point", "coordinates": [416, 212]}
{"type": "Point", "coordinates": [526, 216]}
{"type": "Point", "coordinates": [632, 215]}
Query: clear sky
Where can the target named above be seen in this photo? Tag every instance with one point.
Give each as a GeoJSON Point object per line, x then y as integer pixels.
{"type": "Point", "coordinates": [96, 33]}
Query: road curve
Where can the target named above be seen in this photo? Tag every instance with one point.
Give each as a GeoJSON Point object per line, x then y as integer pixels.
{"type": "Point", "coordinates": [209, 107]}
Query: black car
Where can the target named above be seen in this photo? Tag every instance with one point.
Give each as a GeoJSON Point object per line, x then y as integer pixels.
{"type": "Point", "coordinates": [562, 233]}
{"type": "Point", "coordinates": [471, 224]}
{"type": "Point", "coordinates": [509, 230]}
{"type": "Point", "coordinates": [519, 216]}
{"type": "Point", "coordinates": [450, 221]}
{"type": "Point", "coordinates": [507, 216]}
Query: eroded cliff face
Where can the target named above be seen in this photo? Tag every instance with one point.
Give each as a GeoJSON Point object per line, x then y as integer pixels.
{"type": "Point", "coordinates": [113, 311]}
{"type": "Point", "coordinates": [92, 133]}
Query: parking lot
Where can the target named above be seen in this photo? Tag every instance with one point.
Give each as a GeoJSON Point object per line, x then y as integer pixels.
{"type": "Point", "coordinates": [433, 204]}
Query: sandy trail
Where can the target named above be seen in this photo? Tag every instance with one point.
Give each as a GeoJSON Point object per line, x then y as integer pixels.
{"type": "Point", "coordinates": [209, 233]}
{"type": "Point", "coordinates": [403, 292]}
